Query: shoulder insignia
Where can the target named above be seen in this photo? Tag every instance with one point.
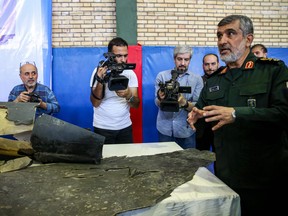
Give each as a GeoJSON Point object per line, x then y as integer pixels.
{"type": "Point", "coordinates": [269, 60]}
{"type": "Point", "coordinates": [249, 65]}
{"type": "Point", "coordinates": [221, 70]}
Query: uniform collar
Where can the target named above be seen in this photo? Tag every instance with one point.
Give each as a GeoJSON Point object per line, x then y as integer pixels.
{"type": "Point", "coordinates": [248, 64]}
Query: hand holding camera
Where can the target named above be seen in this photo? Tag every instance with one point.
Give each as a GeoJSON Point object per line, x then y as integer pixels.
{"type": "Point", "coordinates": [181, 100]}
{"type": "Point", "coordinates": [171, 90]}
{"type": "Point", "coordinates": [29, 97]}
{"type": "Point", "coordinates": [23, 97]}
{"type": "Point", "coordinates": [161, 94]}
{"type": "Point", "coordinates": [33, 97]}
{"type": "Point", "coordinates": [112, 77]}
{"type": "Point", "coordinates": [101, 72]}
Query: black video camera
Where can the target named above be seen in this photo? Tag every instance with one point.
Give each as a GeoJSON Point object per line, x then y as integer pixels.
{"type": "Point", "coordinates": [113, 78]}
{"type": "Point", "coordinates": [34, 98]}
{"type": "Point", "coordinates": [172, 89]}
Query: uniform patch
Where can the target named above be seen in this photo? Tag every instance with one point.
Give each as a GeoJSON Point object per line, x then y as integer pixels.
{"type": "Point", "coordinates": [214, 89]}
{"type": "Point", "coordinates": [224, 71]}
{"type": "Point", "coordinates": [249, 65]}
{"type": "Point", "coordinates": [251, 102]}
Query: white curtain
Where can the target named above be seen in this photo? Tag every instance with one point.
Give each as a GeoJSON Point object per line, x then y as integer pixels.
{"type": "Point", "coordinates": [24, 35]}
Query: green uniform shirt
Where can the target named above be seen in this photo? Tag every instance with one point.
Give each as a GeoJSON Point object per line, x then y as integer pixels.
{"type": "Point", "coordinates": [248, 150]}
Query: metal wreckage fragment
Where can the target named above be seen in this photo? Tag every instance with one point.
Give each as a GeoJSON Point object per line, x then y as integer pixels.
{"type": "Point", "coordinates": [20, 113]}
{"type": "Point", "coordinates": [117, 185]}
{"type": "Point", "coordinates": [16, 117]}
{"type": "Point", "coordinates": [88, 184]}
{"type": "Point", "coordinates": [52, 140]}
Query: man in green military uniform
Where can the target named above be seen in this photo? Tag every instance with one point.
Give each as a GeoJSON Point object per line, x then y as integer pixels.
{"type": "Point", "coordinates": [246, 104]}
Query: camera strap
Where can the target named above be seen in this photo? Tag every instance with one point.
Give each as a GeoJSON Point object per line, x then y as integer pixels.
{"type": "Point", "coordinates": [96, 77]}
{"type": "Point", "coordinates": [99, 79]}
{"type": "Point", "coordinates": [103, 93]}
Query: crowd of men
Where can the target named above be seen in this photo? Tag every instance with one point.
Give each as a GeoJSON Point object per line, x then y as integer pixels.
{"type": "Point", "coordinates": [239, 110]}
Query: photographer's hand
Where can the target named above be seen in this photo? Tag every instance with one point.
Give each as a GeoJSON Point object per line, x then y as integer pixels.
{"type": "Point", "coordinates": [23, 97]}
{"type": "Point", "coordinates": [97, 92]}
{"type": "Point", "coordinates": [42, 104]}
{"type": "Point", "coordinates": [182, 100]}
{"type": "Point", "coordinates": [160, 95]}
{"type": "Point", "coordinates": [131, 96]}
{"type": "Point", "coordinates": [101, 72]}
{"type": "Point", "coordinates": [123, 93]}
{"type": "Point", "coordinates": [184, 103]}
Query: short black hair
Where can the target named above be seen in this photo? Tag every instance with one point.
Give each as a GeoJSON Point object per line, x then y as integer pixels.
{"type": "Point", "coordinates": [210, 54]}
{"type": "Point", "coordinates": [262, 47]}
{"type": "Point", "coordinates": [117, 41]}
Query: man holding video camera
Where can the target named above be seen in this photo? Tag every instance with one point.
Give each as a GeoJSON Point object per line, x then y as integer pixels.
{"type": "Point", "coordinates": [110, 98]}
{"type": "Point", "coordinates": [31, 91]}
{"type": "Point", "coordinates": [176, 92]}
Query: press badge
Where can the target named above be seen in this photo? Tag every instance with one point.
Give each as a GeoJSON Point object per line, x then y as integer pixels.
{"type": "Point", "coordinates": [214, 89]}
{"type": "Point", "coordinates": [251, 102]}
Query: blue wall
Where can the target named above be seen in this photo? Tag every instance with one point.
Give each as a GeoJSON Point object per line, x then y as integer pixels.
{"type": "Point", "coordinates": [72, 68]}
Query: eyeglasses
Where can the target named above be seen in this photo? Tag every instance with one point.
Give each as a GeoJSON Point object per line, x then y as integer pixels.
{"type": "Point", "coordinates": [27, 62]}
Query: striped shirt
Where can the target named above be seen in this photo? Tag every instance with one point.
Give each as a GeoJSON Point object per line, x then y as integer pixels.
{"type": "Point", "coordinates": [45, 94]}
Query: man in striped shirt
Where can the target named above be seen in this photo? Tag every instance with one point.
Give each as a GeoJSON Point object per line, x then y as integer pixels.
{"type": "Point", "coordinates": [31, 91]}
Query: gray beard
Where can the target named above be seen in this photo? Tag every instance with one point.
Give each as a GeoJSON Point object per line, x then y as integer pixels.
{"type": "Point", "coordinates": [230, 58]}
{"type": "Point", "coordinates": [233, 57]}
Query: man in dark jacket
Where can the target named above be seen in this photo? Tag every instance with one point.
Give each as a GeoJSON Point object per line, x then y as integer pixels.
{"type": "Point", "coordinates": [247, 106]}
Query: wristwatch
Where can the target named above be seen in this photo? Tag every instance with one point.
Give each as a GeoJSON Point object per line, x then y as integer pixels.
{"type": "Point", "coordinates": [233, 114]}
{"type": "Point", "coordinates": [131, 99]}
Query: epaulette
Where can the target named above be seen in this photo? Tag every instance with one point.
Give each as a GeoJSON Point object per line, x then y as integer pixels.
{"type": "Point", "coordinates": [269, 61]}
{"type": "Point", "coordinates": [220, 70]}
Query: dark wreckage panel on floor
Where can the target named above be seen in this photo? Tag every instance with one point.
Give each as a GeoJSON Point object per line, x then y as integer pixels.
{"type": "Point", "coordinates": [118, 184]}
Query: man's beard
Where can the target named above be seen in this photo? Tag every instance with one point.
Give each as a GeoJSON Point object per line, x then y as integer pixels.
{"type": "Point", "coordinates": [234, 56]}
{"type": "Point", "coordinates": [30, 85]}
{"type": "Point", "coordinates": [209, 72]}
{"type": "Point", "coordinates": [182, 69]}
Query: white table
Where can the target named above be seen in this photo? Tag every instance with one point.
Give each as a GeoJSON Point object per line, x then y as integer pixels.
{"type": "Point", "coordinates": [138, 149]}
{"type": "Point", "coordinates": [204, 195]}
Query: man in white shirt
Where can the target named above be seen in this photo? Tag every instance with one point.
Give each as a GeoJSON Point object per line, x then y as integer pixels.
{"type": "Point", "coordinates": [111, 117]}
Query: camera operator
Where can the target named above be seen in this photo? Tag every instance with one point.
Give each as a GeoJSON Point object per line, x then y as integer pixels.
{"type": "Point", "coordinates": [31, 91]}
{"type": "Point", "coordinates": [111, 117]}
{"type": "Point", "coordinates": [172, 126]}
